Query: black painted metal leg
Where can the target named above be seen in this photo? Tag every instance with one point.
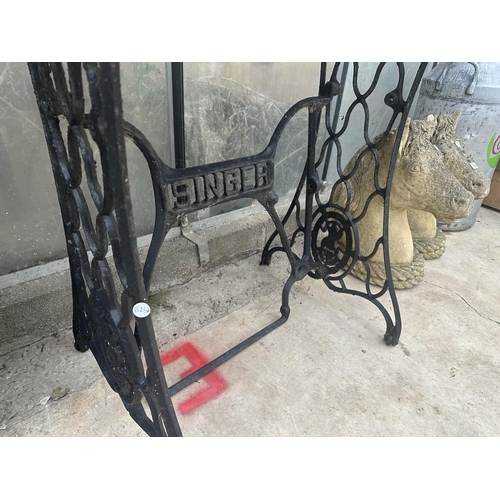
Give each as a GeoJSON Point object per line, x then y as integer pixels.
{"type": "Point", "coordinates": [105, 293]}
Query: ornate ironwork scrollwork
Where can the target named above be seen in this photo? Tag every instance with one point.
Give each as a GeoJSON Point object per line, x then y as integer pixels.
{"type": "Point", "coordinates": [332, 236]}
{"type": "Point", "coordinates": [331, 249]}
{"type": "Point", "coordinates": [106, 290]}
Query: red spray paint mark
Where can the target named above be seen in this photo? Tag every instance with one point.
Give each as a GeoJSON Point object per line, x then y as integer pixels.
{"type": "Point", "coordinates": [216, 384]}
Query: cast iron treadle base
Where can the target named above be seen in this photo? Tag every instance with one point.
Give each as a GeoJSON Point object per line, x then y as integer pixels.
{"type": "Point", "coordinates": [110, 312]}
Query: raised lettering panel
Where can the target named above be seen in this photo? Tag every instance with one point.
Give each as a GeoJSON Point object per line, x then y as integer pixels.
{"type": "Point", "coordinates": [219, 185]}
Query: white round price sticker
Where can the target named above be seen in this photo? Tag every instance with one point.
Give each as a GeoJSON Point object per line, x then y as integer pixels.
{"type": "Point", "coordinates": [141, 310]}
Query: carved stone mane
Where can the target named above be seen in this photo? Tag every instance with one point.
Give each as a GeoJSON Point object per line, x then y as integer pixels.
{"type": "Point", "coordinates": [416, 135]}
{"type": "Point", "coordinates": [460, 163]}
{"type": "Point", "coordinates": [362, 179]}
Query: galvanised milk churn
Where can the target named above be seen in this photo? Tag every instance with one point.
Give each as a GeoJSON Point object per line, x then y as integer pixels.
{"type": "Point", "coordinates": [475, 89]}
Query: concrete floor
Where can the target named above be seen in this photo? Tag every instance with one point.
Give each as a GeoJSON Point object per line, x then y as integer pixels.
{"type": "Point", "coordinates": [326, 372]}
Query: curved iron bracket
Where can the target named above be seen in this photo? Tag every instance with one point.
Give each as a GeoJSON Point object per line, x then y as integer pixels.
{"type": "Point", "coordinates": [110, 312]}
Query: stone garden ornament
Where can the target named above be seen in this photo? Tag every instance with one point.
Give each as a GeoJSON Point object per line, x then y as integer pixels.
{"type": "Point", "coordinates": [428, 239]}
{"type": "Point", "coordinates": [421, 182]}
